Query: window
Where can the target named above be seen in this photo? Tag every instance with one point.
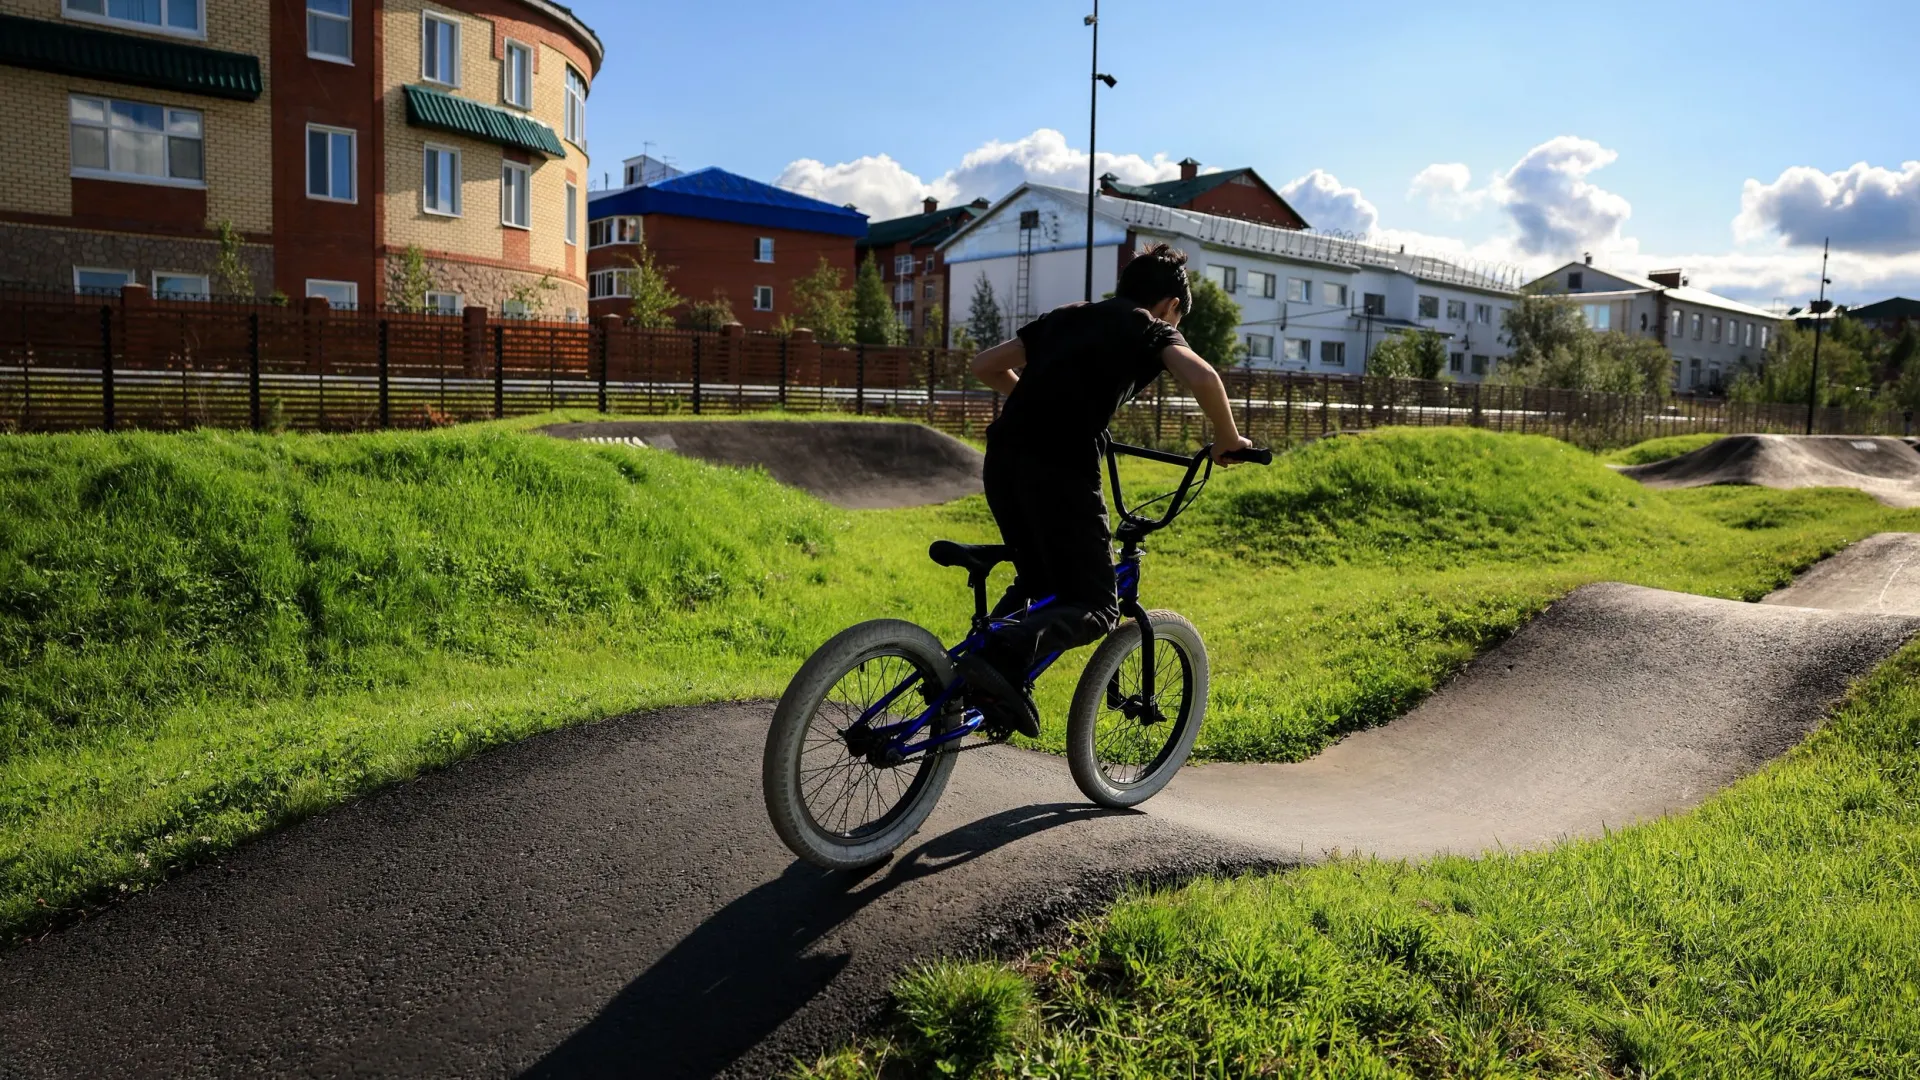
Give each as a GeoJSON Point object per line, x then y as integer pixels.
{"type": "Point", "coordinates": [1227, 277]}
{"type": "Point", "coordinates": [577, 109]}
{"type": "Point", "coordinates": [1296, 350]}
{"type": "Point", "coordinates": [573, 214]}
{"type": "Point", "coordinates": [1299, 291]}
{"type": "Point", "coordinates": [1479, 364]}
{"type": "Point", "coordinates": [439, 49]}
{"type": "Point", "coordinates": [1373, 303]}
{"type": "Point", "coordinates": [1483, 313]}
{"type": "Point", "coordinates": [763, 249]}
{"type": "Point", "coordinates": [926, 319]}
{"type": "Point", "coordinates": [444, 303]}
{"type": "Point", "coordinates": [1259, 346]}
{"type": "Point", "coordinates": [1677, 324]}
{"type": "Point", "coordinates": [903, 292]}
{"type": "Point", "coordinates": [902, 265]}
{"type": "Point", "coordinates": [1676, 374]}
{"type": "Point", "coordinates": [171, 286]}
{"type": "Point", "coordinates": [1457, 362]}
{"type": "Point", "coordinates": [517, 73]}
{"type": "Point", "coordinates": [1713, 328]}
{"type": "Point", "coordinates": [340, 294]}
{"type": "Point", "coordinates": [1643, 322]}
{"type": "Point", "coordinates": [616, 230]}
{"type": "Point", "coordinates": [330, 30]}
{"type": "Point", "coordinates": [88, 281]}
{"type": "Point", "coordinates": [1576, 280]}
{"type": "Point", "coordinates": [169, 16]}
{"type": "Point", "coordinates": [928, 268]}
{"type": "Point", "coordinates": [515, 309]}
{"type": "Point", "coordinates": [516, 180]}
{"type": "Point", "coordinates": [440, 187]}
{"type": "Point", "coordinates": [1429, 307]}
{"type": "Point", "coordinates": [905, 316]}
{"type": "Point", "coordinates": [1333, 295]}
{"type": "Point", "coordinates": [929, 291]}
{"type": "Point", "coordinates": [1333, 354]}
{"type": "Point", "coordinates": [1693, 371]}
{"type": "Point", "coordinates": [126, 140]}
{"type": "Point", "coordinates": [329, 164]}
{"type": "Point", "coordinates": [763, 298]}
{"type": "Point", "coordinates": [1696, 327]}
{"type": "Point", "coordinates": [1598, 316]}
{"type": "Point", "coordinates": [1733, 331]}
{"type": "Point", "coordinates": [1763, 337]}
{"type": "Point", "coordinates": [604, 283]}
{"type": "Point", "coordinates": [1260, 284]}
{"type": "Point", "coordinates": [1457, 311]}
{"type": "Point", "coordinates": [1749, 341]}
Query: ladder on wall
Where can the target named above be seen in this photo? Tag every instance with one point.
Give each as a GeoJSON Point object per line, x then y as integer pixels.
{"type": "Point", "coordinates": [1023, 312]}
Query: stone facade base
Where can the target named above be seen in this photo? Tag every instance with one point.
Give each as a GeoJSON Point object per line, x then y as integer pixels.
{"type": "Point", "coordinates": [44, 256]}
{"type": "Point", "coordinates": [490, 287]}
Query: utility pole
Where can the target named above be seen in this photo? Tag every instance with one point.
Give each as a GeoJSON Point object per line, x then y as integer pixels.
{"type": "Point", "coordinates": [1093, 132]}
{"type": "Point", "coordinates": [1820, 309]}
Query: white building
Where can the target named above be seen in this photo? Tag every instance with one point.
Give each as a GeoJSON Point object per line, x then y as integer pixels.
{"type": "Point", "coordinates": [1309, 302]}
{"type": "Point", "coordinates": [1711, 337]}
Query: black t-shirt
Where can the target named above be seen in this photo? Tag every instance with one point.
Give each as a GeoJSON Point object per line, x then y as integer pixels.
{"type": "Point", "coordinates": [1084, 361]}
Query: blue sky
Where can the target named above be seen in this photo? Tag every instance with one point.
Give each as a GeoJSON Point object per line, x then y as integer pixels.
{"type": "Point", "coordinates": [1630, 129]}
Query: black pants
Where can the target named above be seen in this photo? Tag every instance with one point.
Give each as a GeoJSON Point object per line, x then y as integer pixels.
{"type": "Point", "coordinates": [1051, 511]}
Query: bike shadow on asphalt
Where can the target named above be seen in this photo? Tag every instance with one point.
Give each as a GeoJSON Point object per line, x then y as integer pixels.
{"type": "Point", "coordinates": [744, 971]}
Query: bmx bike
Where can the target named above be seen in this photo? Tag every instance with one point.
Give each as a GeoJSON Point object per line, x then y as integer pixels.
{"type": "Point", "coordinates": [867, 733]}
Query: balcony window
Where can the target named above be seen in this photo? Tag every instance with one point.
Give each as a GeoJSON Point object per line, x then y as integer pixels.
{"type": "Point", "coordinates": [180, 17]}
{"type": "Point", "coordinates": [128, 140]}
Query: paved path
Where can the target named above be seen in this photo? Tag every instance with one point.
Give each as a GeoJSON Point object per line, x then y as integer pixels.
{"type": "Point", "coordinates": [608, 900]}
{"type": "Point", "coordinates": [1884, 467]}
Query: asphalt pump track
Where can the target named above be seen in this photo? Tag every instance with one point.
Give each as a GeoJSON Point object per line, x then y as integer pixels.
{"type": "Point", "coordinates": [1886, 468]}
{"type": "Point", "coordinates": [610, 901]}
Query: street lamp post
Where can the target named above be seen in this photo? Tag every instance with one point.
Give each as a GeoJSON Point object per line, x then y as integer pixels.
{"type": "Point", "coordinates": [1093, 130]}
{"type": "Point", "coordinates": [1820, 309]}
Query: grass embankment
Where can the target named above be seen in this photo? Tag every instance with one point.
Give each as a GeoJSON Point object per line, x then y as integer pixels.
{"type": "Point", "coordinates": [1774, 931]}
{"type": "Point", "coordinates": [206, 636]}
{"type": "Point", "coordinates": [1672, 446]}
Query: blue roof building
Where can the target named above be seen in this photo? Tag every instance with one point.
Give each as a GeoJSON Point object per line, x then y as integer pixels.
{"type": "Point", "coordinates": [714, 194]}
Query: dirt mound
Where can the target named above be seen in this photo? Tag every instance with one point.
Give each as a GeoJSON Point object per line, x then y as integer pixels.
{"type": "Point", "coordinates": [853, 464]}
{"type": "Point", "coordinates": [1886, 468]}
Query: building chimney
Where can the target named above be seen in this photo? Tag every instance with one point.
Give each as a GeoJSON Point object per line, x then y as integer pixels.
{"type": "Point", "coordinates": [1669, 278]}
{"type": "Point", "coordinates": [929, 205]}
{"type": "Point", "coordinates": [1189, 169]}
{"type": "Point", "coordinates": [1589, 258]}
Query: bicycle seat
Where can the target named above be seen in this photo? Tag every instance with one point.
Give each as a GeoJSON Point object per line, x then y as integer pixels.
{"type": "Point", "coordinates": [974, 558]}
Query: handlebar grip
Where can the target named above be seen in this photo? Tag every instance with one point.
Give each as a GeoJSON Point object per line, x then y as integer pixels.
{"type": "Point", "coordinates": [1252, 455]}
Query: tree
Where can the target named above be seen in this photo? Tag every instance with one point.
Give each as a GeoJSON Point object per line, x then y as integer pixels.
{"type": "Point", "coordinates": [824, 304]}
{"type": "Point", "coordinates": [712, 314]}
{"type": "Point", "coordinates": [936, 327]}
{"type": "Point", "coordinates": [1212, 328]}
{"type": "Point", "coordinates": [1553, 347]}
{"type": "Point", "coordinates": [874, 322]}
{"type": "Point", "coordinates": [229, 268]}
{"type": "Point", "coordinates": [1409, 354]}
{"type": "Point", "coordinates": [1540, 323]}
{"type": "Point", "coordinates": [651, 298]}
{"type": "Point", "coordinates": [984, 325]}
{"type": "Point", "coordinates": [1846, 377]}
{"type": "Point", "coordinates": [409, 281]}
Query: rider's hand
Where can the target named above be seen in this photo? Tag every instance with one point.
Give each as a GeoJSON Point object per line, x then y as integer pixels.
{"type": "Point", "coordinates": [1223, 447]}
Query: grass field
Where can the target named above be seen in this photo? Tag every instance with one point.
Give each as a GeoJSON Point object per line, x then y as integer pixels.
{"type": "Point", "coordinates": [1653, 450]}
{"type": "Point", "coordinates": [206, 636]}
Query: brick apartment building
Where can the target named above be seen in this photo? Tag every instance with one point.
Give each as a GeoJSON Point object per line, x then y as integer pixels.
{"type": "Point", "coordinates": [722, 235]}
{"type": "Point", "coordinates": [1232, 193]}
{"type": "Point", "coordinates": [915, 272]}
{"type": "Point", "coordinates": [331, 135]}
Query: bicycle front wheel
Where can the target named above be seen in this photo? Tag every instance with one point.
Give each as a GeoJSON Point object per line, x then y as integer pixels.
{"type": "Point", "coordinates": [1122, 748]}
{"type": "Point", "coordinates": [828, 800]}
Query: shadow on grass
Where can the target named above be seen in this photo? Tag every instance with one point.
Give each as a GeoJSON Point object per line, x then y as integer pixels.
{"type": "Point", "coordinates": [743, 972]}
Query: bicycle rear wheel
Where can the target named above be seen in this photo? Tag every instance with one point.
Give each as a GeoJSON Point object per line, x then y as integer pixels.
{"type": "Point", "coordinates": [831, 805]}
{"type": "Point", "coordinates": [1121, 754]}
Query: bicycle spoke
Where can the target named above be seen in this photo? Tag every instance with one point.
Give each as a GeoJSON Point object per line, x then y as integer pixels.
{"type": "Point", "coordinates": [843, 792]}
{"type": "Point", "coordinates": [1126, 748]}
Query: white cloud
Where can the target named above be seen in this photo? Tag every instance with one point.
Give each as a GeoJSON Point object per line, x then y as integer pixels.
{"type": "Point", "coordinates": [1448, 188]}
{"type": "Point", "coordinates": [1330, 206]}
{"type": "Point", "coordinates": [1864, 208]}
{"type": "Point", "coordinates": [882, 188]}
{"type": "Point", "coordinates": [1558, 212]}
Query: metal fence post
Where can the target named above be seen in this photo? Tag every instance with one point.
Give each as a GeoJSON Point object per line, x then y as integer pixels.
{"type": "Point", "coordinates": [696, 374]}
{"type": "Point", "coordinates": [386, 406]}
{"type": "Point", "coordinates": [499, 372]}
{"type": "Point", "coordinates": [606, 332]}
{"type": "Point", "coordinates": [253, 370]}
{"type": "Point", "coordinates": [933, 377]}
{"type": "Point", "coordinates": [106, 366]}
{"type": "Point", "coordinates": [860, 380]}
{"type": "Point", "coordinates": [784, 342]}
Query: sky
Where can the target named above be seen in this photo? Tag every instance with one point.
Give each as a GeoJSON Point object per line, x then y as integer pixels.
{"type": "Point", "coordinates": [1727, 139]}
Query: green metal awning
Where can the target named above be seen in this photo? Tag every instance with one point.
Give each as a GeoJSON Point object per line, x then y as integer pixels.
{"type": "Point", "coordinates": [85, 52]}
{"type": "Point", "coordinates": [444, 112]}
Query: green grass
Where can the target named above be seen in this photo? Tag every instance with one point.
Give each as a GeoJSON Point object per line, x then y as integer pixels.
{"type": "Point", "coordinates": [1774, 931]}
{"type": "Point", "coordinates": [1672, 446]}
{"type": "Point", "coordinates": [206, 636]}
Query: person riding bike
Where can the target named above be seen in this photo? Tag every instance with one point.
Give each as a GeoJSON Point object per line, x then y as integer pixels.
{"type": "Point", "coordinates": [1064, 376]}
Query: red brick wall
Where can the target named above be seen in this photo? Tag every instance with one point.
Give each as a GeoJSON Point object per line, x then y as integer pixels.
{"type": "Point", "coordinates": [314, 238]}
{"type": "Point", "coordinates": [718, 255]}
{"type": "Point", "coordinates": [108, 204]}
{"type": "Point", "coordinates": [1249, 203]}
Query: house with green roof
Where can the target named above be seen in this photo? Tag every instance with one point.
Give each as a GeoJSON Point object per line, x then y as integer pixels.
{"type": "Point", "coordinates": [1231, 193]}
{"type": "Point", "coordinates": [907, 251]}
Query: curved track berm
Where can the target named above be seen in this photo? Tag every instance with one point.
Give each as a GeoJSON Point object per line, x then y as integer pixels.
{"type": "Point", "coordinates": [609, 900]}
{"type": "Point", "coordinates": [858, 465]}
{"type": "Point", "coordinates": [1886, 468]}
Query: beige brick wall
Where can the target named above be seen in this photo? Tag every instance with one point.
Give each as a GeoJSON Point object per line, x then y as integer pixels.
{"type": "Point", "coordinates": [238, 136]}
{"type": "Point", "coordinates": [477, 232]}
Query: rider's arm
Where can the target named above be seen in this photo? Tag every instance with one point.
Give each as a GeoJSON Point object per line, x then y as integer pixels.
{"type": "Point", "coordinates": [999, 366]}
{"type": "Point", "coordinates": [1204, 384]}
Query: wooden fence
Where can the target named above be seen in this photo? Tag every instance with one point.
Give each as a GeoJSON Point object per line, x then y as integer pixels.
{"type": "Point", "coordinates": [73, 363]}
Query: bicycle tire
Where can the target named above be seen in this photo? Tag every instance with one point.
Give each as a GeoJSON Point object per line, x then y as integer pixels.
{"type": "Point", "coordinates": [783, 779]}
{"type": "Point", "coordinates": [1180, 656]}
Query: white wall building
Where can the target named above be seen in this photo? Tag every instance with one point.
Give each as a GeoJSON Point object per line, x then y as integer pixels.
{"type": "Point", "coordinates": [1309, 302]}
{"type": "Point", "coordinates": [1711, 337]}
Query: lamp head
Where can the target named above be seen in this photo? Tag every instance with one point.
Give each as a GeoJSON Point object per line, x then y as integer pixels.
{"type": "Point", "coordinates": [1108, 79]}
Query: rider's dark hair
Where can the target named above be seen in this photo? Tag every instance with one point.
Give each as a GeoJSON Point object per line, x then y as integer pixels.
{"type": "Point", "coordinates": [1154, 275]}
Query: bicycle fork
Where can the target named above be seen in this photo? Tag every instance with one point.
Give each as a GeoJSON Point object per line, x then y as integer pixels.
{"type": "Point", "coordinates": [1146, 707]}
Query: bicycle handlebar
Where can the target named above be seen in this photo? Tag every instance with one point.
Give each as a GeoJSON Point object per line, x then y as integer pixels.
{"type": "Point", "coordinates": [1131, 523]}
